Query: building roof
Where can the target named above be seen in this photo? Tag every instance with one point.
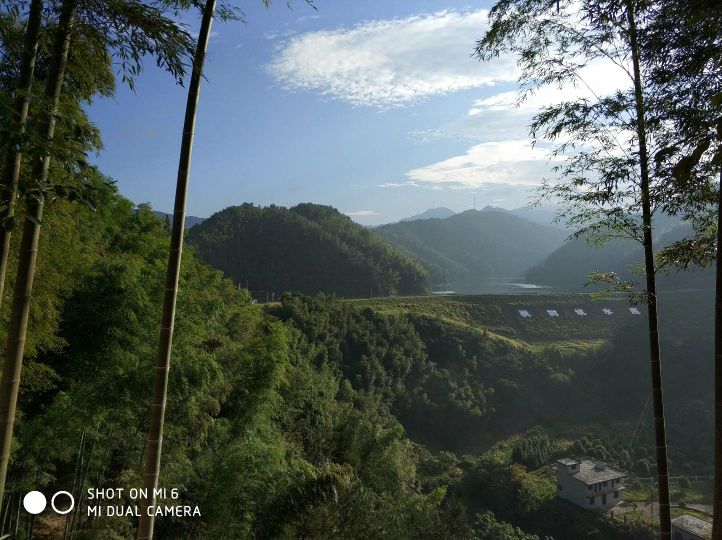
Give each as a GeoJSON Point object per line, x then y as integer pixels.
{"type": "Point", "coordinates": [593, 471]}
{"type": "Point", "coordinates": [693, 525]}
{"type": "Point", "coordinates": [567, 461]}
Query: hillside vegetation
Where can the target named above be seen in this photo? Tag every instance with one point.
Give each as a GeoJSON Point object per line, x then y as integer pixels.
{"type": "Point", "coordinates": [266, 437]}
{"type": "Point", "coordinates": [317, 417]}
{"type": "Point", "coordinates": [569, 371]}
{"type": "Point", "coordinates": [308, 248]}
{"type": "Point", "coordinates": [467, 250]}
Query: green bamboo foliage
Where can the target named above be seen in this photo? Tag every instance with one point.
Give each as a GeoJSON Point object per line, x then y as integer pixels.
{"type": "Point", "coordinates": [13, 152]}
{"type": "Point", "coordinates": [17, 329]}
{"type": "Point", "coordinates": [160, 373]}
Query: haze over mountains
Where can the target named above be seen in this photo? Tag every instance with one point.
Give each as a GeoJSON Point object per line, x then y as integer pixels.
{"type": "Point", "coordinates": [468, 252]}
{"type": "Point", "coordinates": [567, 268]}
{"type": "Point", "coordinates": [313, 248]}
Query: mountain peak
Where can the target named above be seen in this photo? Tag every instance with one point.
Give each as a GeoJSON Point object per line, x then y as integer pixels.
{"type": "Point", "coordinates": [439, 212]}
{"type": "Point", "coordinates": [490, 208]}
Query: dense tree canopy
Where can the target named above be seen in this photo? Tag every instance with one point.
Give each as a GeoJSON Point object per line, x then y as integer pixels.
{"type": "Point", "coordinates": [308, 248]}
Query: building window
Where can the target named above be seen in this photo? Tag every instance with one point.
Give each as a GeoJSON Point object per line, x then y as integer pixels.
{"type": "Point", "coordinates": [589, 487]}
{"type": "Point", "coordinates": [591, 500]}
{"type": "Point", "coordinates": [604, 483]}
{"type": "Point", "coordinates": [574, 467]}
{"type": "Point", "coordinates": [616, 494]}
{"type": "Point", "coordinates": [559, 487]}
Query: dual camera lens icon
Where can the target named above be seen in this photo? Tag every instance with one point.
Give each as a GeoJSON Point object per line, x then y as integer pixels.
{"type": "Point", "coordinates": [35, 502]}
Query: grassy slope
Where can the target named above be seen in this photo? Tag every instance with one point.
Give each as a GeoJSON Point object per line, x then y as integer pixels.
{"type": "Point", "coordinates": [498, 315]}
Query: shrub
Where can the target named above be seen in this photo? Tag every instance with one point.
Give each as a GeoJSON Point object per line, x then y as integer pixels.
{"type": "Point", "coordinates": [533, 450]}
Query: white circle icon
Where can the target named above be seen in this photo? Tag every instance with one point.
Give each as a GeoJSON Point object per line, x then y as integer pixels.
{"type": "Point", "coordinates": [34, 502]}
{"type": "Point", "coordinates": [69, 508]}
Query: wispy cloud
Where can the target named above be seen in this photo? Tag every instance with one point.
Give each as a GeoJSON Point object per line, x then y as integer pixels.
{"type": "Point", "coordinates": [504, 116]}
{"type": "Point", "coordinates": [362, 213]}
{"type": "Point", "coordinates": [388, 63]}
{"type": "Point", "coordinates": [512, 162]}
{"type": "Point", "coordinates": [499, 124]}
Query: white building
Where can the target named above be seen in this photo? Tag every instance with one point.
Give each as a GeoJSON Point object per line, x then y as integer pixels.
{"type": "Point", "coordinates": [589, 483]}
{"type": "Point", "coordinates": [688, 527]}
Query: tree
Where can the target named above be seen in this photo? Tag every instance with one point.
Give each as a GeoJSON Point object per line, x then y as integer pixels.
{"type": "Point", "coordinates": [605, 187]}
{"type": "Point", "coordinates": [102, 27]}
{"type": "Point", "coordinates": [131, 29]}
{"type": "Point", "coordinates": [29, 246]}
{"type": "Point", "coordinates": [13, 152]}
{"type": "Point", "coordinates": [682, 45]}
{"type": "Point", "coordinates": [162, 366]}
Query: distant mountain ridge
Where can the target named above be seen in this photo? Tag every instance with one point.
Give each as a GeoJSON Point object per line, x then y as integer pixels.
{"type": "Point", "coordinates": [308, 248]}
{"type": "Point", "coordinates": [191, 221]}
{"type": "Point", "coordinates": [439, 212]}
{"type": "Point", "coordinates": [468, 249]}
{"type": "Point", "coordinates": [567, 268]}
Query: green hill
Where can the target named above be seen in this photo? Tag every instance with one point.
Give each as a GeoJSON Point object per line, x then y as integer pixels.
{"type": "Point", "coordinates": [467, 250]}
{"type": "Point", "coordinates": [308, 248]}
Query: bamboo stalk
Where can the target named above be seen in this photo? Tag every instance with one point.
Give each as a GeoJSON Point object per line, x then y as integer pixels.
{"type": "Point", "coordinates": [12, 161]}
{"type": "Point", "coordinates": [717, 500]}
{"type": "Point", "coordinates": [665, 520]}
{"type": "Point", "coordinates": [160, 371]}
{"type": "Point", "coordinates": [17, 328]}
{"type": "Point", "coordinates": [75, 480]}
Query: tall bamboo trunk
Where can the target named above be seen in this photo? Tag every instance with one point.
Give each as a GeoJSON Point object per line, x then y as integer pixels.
{"type": "Point", "coordinates": [717, 502]}
{"type": "Point", "coordinates": [17, 328]}
{"type": "Point", "coordinates": [13, 153]}
{"type": "Point", "coordinates": [665, 523]}
{"type": "Point", "coordinates": [160, 374]}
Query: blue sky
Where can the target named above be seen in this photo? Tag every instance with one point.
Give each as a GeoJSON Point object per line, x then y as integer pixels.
{"type": "Point", "coordinates": [375, 107]}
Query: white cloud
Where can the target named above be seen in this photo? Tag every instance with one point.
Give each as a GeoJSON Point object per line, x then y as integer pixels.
{"type": "Point", "coordinates": [362, 213]}
{"type": "Point", "coordinates": [389, 63]}
{"type": "Point", "coordinates": [597, 79]}
{"type": "Point", "coordinates": [504, 116]}
{"type": "Point", "coordinates": [512, 162]}
{"type": "Point", "coordinates": [500, 125]}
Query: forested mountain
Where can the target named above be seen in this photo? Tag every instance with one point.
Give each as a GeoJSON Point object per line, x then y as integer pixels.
{"type": "Point", "coordinates": [468, 249]}
{"type": "Point", "coordinates": [308, 248]}
{"type": "Point", "coordinates": [568, 267]}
